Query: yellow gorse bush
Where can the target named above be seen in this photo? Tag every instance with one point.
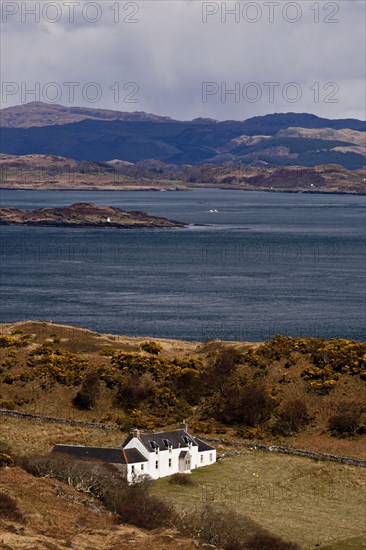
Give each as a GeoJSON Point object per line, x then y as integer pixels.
{"type": "Point", "coordinates": [5, 460]}
{"type": "Point", "coordinates": [328, 359]}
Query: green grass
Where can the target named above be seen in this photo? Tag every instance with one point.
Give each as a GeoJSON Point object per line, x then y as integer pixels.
{"type": "Point", "coordinates": [308, 502]}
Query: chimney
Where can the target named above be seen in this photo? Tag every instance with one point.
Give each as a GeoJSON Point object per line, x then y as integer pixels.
{"type": "Point", "coordinates": [184, 426]}
{"type": "Point", "coordinates": [136, 433]}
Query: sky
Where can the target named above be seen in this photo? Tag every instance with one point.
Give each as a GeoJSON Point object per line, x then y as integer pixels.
{"type": "Point", "coordinates": [187, 58]}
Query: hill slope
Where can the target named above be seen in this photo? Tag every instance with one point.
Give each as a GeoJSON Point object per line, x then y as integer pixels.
{"type": "Point", "coordinates": [98, 135]}
{"type": "Point", "coordinates": [43, 366]}
{"type": "Point", "coordinates": [56, 516]}
{"type": "Point", "coordinates": [37, 113]}
{"type": "Point", "coordinates": [54, 172]}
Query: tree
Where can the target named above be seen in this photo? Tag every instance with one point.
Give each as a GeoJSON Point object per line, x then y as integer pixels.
{"type": "Point", "coordinates": [217, 374]}
{"type": "Point", "coordinates": [250, 405]}
{"type": "Point", "coordinates": [292, 417]}
{"type": "Point", "coordinates": [346, 420]}
{"type": "Point", "coordinates": [134, 389]}
{"type": "Point", "coordinates": [89, 392]}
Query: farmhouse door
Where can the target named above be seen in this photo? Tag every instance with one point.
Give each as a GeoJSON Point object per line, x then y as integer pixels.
{"type": "Point", "coordinates": [184, 462]}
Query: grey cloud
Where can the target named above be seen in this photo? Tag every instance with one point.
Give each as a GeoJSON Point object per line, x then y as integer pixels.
{"type": "Point", "coordinates": [170, 52]}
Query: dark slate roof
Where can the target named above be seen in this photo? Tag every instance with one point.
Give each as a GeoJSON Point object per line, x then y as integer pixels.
{"type": "Point", "coordinates": [134, 455]}
{"type": "Point", "coordinates": [183, 454]}
{"type": "Point", "coordinates": [203, 446]}
{"type": "Point", "coordinates": [176, 439]}
{"type": "Point", "coordinates": [113, 456]}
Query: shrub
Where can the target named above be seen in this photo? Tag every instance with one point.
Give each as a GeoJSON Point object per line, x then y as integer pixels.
{"type": "Point", "coordinates": [266, 541]}
{"type": "Point", "coordinates": [59, 366]}
{"type": "Point", "coordinates": [230, 530]}
{"type": "Point", "coordinates": [5, 449]}
{"type": "Point", "coordinates": [143, 510]}
{"type": "Point", "coordinates": [89, 392]}
{"type": "Point", "coordinates": [151, 347]}
{"type": "Point", "coordinates": [132, 503]}
{"type": "Point", "coordinates": [181, 479]}
{"type": "Point", "coordinates": [9, 508]}
{"type": "Point", "coordinates": [134, 389]}
{"type": "Point", "coordinates": [217, 374]}
{"type": "Point", "coordinates": [344, 424]}
{"type": "Point", "coordinates": [8, 342]}
{"type": "Point", "coordinates": [346, 419]}
{"type": "Point", "coordinates": [292, 417]}
{"type": "Point", "coordinates": [159, 380]}
{"type": "Point", "coordinates": [94, 477]}
{"type": "Point", "coordinates": [250, 405]}
{"type": "Point", "coordinates": [5, 460]}
{"type": "Point", "coordinates": [7, 404]}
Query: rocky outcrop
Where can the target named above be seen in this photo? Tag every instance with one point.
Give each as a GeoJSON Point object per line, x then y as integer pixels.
{"type": "Point", "coordinates": [83, 215]}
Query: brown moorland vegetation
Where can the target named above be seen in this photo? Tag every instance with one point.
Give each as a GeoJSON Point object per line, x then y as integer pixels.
{"type": "Point", "coordinates": [54, 172]}
{"type": "Point", "coordinates": [311, 394]}
{"type": "Point", "coordinates": [302, 392]}
{"type": "Point", "coordinates": [57, 516]}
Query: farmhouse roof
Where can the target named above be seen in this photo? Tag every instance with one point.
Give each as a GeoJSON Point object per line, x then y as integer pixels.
{"type": "Point", "coordinates": [113, 456]}
{"type": "Point", "coordinates": [134, 455]}
{"type": "Point", "coordinates": [164, 440]}
{"type": "Point", "coordinates": [203, 446]}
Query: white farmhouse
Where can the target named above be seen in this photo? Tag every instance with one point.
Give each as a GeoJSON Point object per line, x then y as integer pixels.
{"type": "Point", "coordinates": [156, 455]}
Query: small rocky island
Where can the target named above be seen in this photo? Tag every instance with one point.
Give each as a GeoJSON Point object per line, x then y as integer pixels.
{"type": "Point", "coordinates": [83, 215]}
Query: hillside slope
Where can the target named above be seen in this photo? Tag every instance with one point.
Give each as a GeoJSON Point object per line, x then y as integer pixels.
{"type": "Point", "coordinates": [210, 384]}
{"type": "Point", "coordinates": [56, 516]}
{"type": "Point", "coordinates": [98, 135]}
{"type": "Point", "coordinates": [54, 172]}
{"type": "Point", "coordinates": [37, 113]}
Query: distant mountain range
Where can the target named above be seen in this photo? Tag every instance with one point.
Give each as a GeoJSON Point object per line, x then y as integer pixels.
{"type": "Point", "coordinates": [284, 139]}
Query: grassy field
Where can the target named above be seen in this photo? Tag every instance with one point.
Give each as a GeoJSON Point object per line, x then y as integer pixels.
{"type": "Point", "coordinates": [29, 436]}
{"type": "Point", "coordinates": [316, 504]}
{"type": "Point", "coordinates": [355, 543]}
{"type": "Point", "coordinates": [308, 502]}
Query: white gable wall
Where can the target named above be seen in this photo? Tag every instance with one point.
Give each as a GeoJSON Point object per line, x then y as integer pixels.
{"type": "Point", "coordinates": [135, 443]}
{"type": "Point", "coordinates": [205, 458]}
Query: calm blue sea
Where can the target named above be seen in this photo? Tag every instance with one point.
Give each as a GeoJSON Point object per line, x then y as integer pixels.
{"type": "Point", "coordinates": [264, 263]}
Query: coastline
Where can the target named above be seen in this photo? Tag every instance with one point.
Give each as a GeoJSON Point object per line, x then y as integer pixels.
{"type": "Point", "coordinates": [185, 189]}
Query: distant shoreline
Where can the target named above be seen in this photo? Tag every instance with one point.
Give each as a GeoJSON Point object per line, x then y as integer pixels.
{"type": "Point", "coordinates": [198, 188]}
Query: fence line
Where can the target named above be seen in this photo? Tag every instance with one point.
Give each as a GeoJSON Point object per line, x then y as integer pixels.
{"type": "Point", "coordinates": [28, 416]}
{"type": "Point", "coordinates": [251, 446]}
{"type": "Point", "coordinates": [289, 451]}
